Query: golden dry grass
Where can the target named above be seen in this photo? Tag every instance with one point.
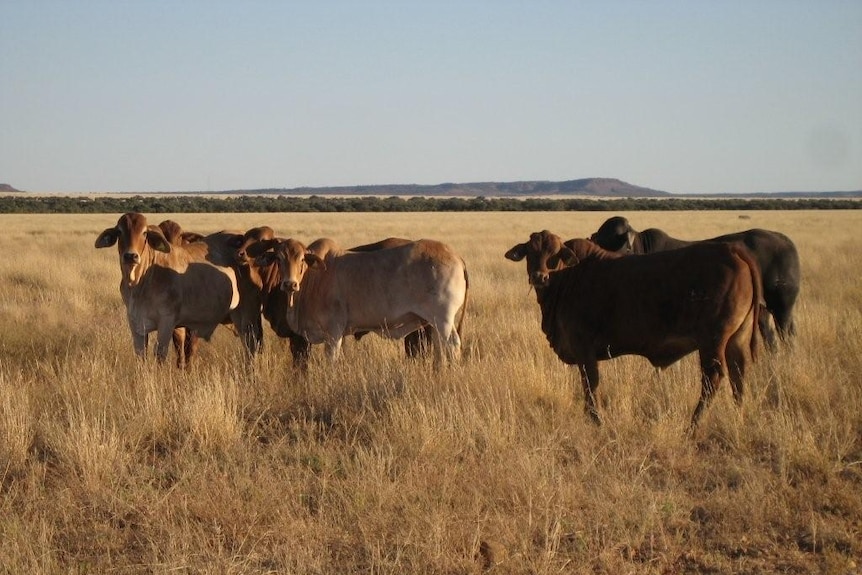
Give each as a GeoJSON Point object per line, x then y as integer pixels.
{"type": "Point", "coordinates": [380, 465]}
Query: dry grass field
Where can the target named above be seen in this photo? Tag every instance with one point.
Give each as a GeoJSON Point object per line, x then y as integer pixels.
{"type": "Point", "coordinates": [379, 465]}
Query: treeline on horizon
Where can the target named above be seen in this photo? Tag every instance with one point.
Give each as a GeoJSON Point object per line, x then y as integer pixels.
{"type": "Point", "coordinates": [270, 204]}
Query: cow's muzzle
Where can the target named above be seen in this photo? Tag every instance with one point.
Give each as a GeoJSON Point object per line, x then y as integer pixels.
{"type": "Point", "coordinates": [131, 258]}
{"type": "Point", "coordinates": [539, 279]}
{"type": "Point", "coordinates": [291, 287]}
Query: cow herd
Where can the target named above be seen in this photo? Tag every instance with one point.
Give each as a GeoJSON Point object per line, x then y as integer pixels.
{"type": "Point", "coordinates": [620, 292]}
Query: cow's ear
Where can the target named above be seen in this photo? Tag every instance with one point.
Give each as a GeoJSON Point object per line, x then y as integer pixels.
{"type": "Point", "coordinates": [157, 240]}
{"type": "Point", "coordinates": [265, 259]}
{"type": "Point", "coordinates": [314, 262]}
{"type": "Point", "coordinates": [261, 247]}
{"type": "Point", "coordinates": [517, 253]}
{"type": "Point", "coordinates": [107, 238]}
{"type": "Point", "coordinates": [568, 256]}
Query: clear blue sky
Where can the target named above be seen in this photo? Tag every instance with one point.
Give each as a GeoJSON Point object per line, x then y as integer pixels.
{"type": "Point", "coordinates": [678, 95]}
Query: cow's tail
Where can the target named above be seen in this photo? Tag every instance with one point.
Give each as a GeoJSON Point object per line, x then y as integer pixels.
{"type": "Point", "coordinates": [757, 302]}
{"type": "Point", "coordinates": [460, 325]}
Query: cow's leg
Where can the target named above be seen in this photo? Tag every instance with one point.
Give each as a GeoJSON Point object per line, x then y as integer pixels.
{"type": "Point", "coordinates": [164, 336]}
{"type": "Point", "coordinates": [765, 327]}
{"type": "Point", "coordinates": [736, 361]}
{"type": "Point", "coordinates": [252, 339]}
{"type": "Point", "coordinates": [179, 338]}
{"type": "Point", "coordinates": [300, 350]}
{"type": "Point", "coordinates": [447, 343]}
{"type": "Point", "coordinates": [589, 373]}
{"type": "Point", "coordinates": [139, 342]}
{"type": "Point", "coordinates": [333, 348]}
{"type": "Point", "coordinates": [711, 371]}
{"type": "Point", "coordinates": [416, 343]}
{"type": "Point", "coordinates": [784, 324]}
{"type": "Point", "coordinates": [191, 345]}
{"type": "Point", "coordinates": [454, 347]}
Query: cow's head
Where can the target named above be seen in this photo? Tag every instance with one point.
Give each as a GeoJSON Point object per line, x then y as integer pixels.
{"type": "Point", "coordinates": [545, 252]}
{"type": "Point", "coordinates": [133, 238]}
{"type": "Point", "coordinates": [292, 258]}
{"type": "Point", "coordinates": [615, 235]}
{"type": "Point", "coordinates": [242, 243]}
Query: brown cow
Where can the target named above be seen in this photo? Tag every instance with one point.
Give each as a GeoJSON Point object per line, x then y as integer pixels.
{"type": "Point", "coordinates": [260, 293]}
{"type": "Point", "coordinates": [165, 286]}
{"type": "Point", "coordinates": [393, 292]}
{"type": "Point", "coordinates": [661, 306]}
{"type": "Point", "coordinates": [774, 252]}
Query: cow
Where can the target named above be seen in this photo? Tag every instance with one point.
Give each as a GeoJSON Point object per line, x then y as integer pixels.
{"type": "Point", "coordinates": [186, 342]}
{"type": "Point", "coordinates": [775, 253]}
{"type": "Point", "coordinates": [166, 286]}
{"type": "Point", "coordinates": [261, 293]}
{"type": "Point", "coordinates": [661, 306]}
{"type": "Point", "coordinates": [245, 320]}
{"type": "Point", "coordinates": [333, 292]}
{"type": "Point", "coordinates": [415, 343]}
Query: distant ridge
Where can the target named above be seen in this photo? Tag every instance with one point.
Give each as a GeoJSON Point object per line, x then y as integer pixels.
{"type": "Point", "coordinates": [8, 189]}
{"type": "Point", "coordinates": [603, 187]}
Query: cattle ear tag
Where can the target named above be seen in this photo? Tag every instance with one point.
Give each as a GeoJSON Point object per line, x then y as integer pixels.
{"type": "Point", "coordinates": [107, 238]}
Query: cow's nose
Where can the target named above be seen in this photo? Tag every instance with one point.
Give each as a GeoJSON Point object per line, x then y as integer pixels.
{"type": "Point", "coordinates": [131, 258]}
{"type": "Point", "coordinates": [539, 278]}
{"type": "Point", "coordinates": [290, 285]}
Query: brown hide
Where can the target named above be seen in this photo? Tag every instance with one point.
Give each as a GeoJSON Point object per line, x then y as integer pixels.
{"type": "Point", "coordinates": [775, 253]}
{"type": "Point", "coordinates": [663, 306]}
{"type": "Point", "coordinates": [165, 286]}
{"type": "Point", "coordinates": [394, 291]}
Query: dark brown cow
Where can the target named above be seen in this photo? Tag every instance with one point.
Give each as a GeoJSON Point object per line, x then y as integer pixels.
{"type": "Point", "coordinates": [662, 306]}
{"type": "Point", "coordinates": [392, 291]}
{"type": "Point", "coordinates": [164, 287]}
{"type": "Point", "coordinates": [775, 254]}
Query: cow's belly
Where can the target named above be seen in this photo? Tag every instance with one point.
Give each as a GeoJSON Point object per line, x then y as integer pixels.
{"type": "Point", "coordinates": [659, 353]}
{"type": "Point", "coordinates": [670, 351]}
{"type": "Point", "coordinates": [394, 328]}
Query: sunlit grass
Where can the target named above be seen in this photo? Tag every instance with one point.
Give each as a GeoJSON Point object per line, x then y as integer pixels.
{"type": "Point", "coordinates": [377, 464]}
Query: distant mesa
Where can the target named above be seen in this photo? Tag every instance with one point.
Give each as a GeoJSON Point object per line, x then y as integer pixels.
{"type": "Point", "coordinates": [6, 188]}
{"type": "Point", "coordinates": [597, 187]}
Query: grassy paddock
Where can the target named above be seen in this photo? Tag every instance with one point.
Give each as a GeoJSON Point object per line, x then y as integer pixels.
{"type": "Point", "coordinates": [379, 465]}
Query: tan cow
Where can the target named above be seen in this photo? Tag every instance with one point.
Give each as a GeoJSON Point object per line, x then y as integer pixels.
{"type": "Point", "coordinates": [392, 292]}
{"type": "Point", "coordinates": [164, 286]}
